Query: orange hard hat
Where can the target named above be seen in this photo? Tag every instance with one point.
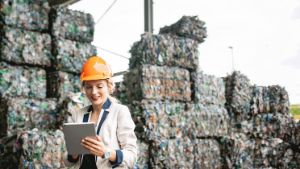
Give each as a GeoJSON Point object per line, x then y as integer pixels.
{"type": "Point", "coordinates": [95, 68]}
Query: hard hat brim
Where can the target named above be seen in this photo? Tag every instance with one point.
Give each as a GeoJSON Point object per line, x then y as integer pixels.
{"type": "Point", "coordinates": [94, 77]}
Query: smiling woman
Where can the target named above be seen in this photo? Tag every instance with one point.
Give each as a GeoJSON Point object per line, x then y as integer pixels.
{"type": "Point", "coordinates": [115, 143]}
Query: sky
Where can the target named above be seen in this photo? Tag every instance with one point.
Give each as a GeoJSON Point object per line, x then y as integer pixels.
{"type": "Point", "coordinates": [264, 35]}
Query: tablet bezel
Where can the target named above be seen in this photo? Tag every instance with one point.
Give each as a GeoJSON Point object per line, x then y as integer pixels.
{"type": "Point", "coordinates": [74, 133]}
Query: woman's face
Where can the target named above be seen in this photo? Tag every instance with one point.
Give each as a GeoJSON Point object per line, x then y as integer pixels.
{"type": "Point", "coordinates": [96, 91]}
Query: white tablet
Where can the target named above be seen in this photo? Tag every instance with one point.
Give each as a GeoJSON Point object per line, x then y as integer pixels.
{"type": "Point", "coordinates": [74, 133]}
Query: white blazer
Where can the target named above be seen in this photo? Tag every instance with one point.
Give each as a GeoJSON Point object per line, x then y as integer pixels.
{"type": "Point", "coordinates": [117, 132]}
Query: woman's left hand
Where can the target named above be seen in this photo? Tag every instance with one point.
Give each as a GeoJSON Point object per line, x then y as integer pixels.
{"type": "Point", "coordinates": [95, 145]}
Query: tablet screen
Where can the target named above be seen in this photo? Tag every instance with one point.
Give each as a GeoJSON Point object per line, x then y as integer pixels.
{"type": "Point", "coordinates": [74, 133]}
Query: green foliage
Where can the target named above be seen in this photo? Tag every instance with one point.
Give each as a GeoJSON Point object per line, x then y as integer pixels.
{"type": "Point", "coordinates": [295, 109]}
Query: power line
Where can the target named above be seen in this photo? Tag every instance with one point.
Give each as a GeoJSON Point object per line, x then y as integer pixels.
{"type": "Point", "coordinates": [111, 5]}
{"type": "Point", "coordinates": [114, 53]}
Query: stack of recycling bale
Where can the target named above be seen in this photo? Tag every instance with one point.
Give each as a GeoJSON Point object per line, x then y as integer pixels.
{"type": "Point", "coordinates": [172, 126]}
{"type": "Point", "coordinates": [72, 33]}
{"type": "Point", "coordinates": [261, 126]}
{"type": "Point", "coordinates": [209, 99]}
{"type": "Point", "coordinates": [39, 63]}
{"type": "Point", "coordinates": [25, 53]}
{"type": "Point", "coordinates": [42, 149]}
{"type": "Point", "coordinates": [208, 119]}
{"type": "Point", "coordinates": [178, 110]}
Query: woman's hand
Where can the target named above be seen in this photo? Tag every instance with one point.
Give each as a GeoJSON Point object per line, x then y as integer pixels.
{"type": "Point", "coordinates": [96, 146]}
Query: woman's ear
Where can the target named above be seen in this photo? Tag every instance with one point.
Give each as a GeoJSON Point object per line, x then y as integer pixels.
{"type": "Point", "coordinates": [111, 91]}
{"type": "Point", "coordinates": [82, 88]}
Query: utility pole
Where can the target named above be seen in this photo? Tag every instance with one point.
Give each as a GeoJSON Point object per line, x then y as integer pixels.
{"type": "Point", "coordinates": [232, 59]}
{"type": "Point", "coordinates": [148, 15]}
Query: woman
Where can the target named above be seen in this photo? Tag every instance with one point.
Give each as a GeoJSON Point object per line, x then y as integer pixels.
{"type": "Point", "coordinates": [115, 143]}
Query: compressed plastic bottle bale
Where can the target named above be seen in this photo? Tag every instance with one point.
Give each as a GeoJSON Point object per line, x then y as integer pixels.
{"type": "Point", "coordinates": [120, 92]}
{"type": "Point", "coordinates": [206, 120]}
{"type": "Point", "coordinates": [72, 25]}
{"type": "Point", "coordinates": [158, 119]}
{"type": "Point", "coordinates": [269, 99]}
{"type": "Point", "coordinates": [246, 126]}
{"type": "Point", "coordinates": [42, 149]}
{"type": "Point", "coordinates": [163, 119]}
{"type": "Point", "coordinates": [70, 55]}
{"type": "Point", "coordinates": [296, 134]}
{"type": "Point", "coordinates": [158, 82]}
{"type": "Point", "coordinates": [22, 81]}
{"type": "Point", "coordinates": [176, 119]}
{"type": "Point", "coordinates": [266, 125]}
{"type": "Point", "coordinates": [242, 155]}
{"type": "Point", "coordinates": [236, 150]}
{"type": "Point", "coordinates": [59, 84]}
{"type": "Point", "coordinates": [10, 152]}
{"type": "Point", "coordinates": [181, 153]}
{"type": "Point", "coordinates": [238, 96]}
{"type": "Point", "coordinates": [134, 79]}
{"type": "Point", "coordinates": [22, 114]}
{"type": "Point", "coordinates": [187, 27]}
{"type": "Point", "coordinates": [29, 14]}
{"type": "Point", "coordinates": [291, 158]}
{"type": "Point", "coordinates": [70, 104]}
{"type": "Point", "coordinates": [207, 154]}
{"type": "Point", "coordinates": [143, 156]}
{"type": "Point", "coordinates": [226, 150]}
{"type": "Point", "coordinates": [173, 153]}
{"type": "Point", "coordinates": [208, 89]}
{"type": "Point", "coordinates": [25, 47]}
{"type": "Point", "coordinates": [242, 151]}
{"type": "Point", "coordinates": [279, 99]}
{"type": "Point", "coordinates": [266, 98]}
{"type": "Point", "coordinates": [273, 150]}
{"type": "Point", "coordinates": [258, 100]}
{"type": "Point", "coordinates": [273, 125]}
{"type": "Point", "coordinates": [164, 50]}
{"type": "Point", "coordinates": [159, 154]}
{"type": "Point", "coordinates": [276, 153]}
{"type": "Point", "coordinates": [138, 114]}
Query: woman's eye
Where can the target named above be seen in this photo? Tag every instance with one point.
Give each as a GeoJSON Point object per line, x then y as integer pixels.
{"type": "Point", "coordinates": [88, 87]}
{"type": "Point", "coordinates": [99, 87]}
